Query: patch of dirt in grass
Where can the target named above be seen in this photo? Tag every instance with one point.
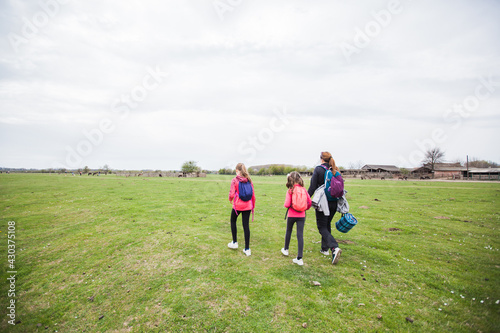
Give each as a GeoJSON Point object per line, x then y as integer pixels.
{"type": "Point", "coordinates": [395, 229]}
{"type": "Point", "coordinates": [126, 328]}
{"type": "Point", "coordinates": [202, 268]}
{"type": "Point", "coordinates": [345, 241]}
{"type": "Point", "coordinates": [279, 311]}
{"type": "Point", "coordinates": [166, 262]}
{"type": "Point", "coordinates": [55, 262]}
{"type": "Point", "coordinates": [441, 217]}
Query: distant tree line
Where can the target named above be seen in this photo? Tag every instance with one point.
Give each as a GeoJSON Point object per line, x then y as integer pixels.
{"type": "Point", "coordinates": [436, 155]}
{"type": "Point", "coordinates": [273, 169]}
{"type": "Point", "coordinates": [103, 170]}
{"type": "Point", "coordinates": [476, 163]}
{"type": "Point", "coordinates": [432, 157]}
{"type": "Point", "coordinates": [227, 172]}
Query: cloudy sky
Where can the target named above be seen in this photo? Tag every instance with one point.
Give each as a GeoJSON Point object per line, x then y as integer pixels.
{"type": "Point", "coordinates": [150, 84]}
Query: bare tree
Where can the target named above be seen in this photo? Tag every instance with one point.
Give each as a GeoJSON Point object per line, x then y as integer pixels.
{"type": "Point", "coordinates": [356, 165]}
{"type": "Point", "coordinates": [360, 164]}
{"type": "Point", "coordinates": [105, 169]}
{"type": "Point", "coordinates": [433, 156]}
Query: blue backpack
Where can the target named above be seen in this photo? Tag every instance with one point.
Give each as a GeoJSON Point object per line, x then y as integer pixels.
{"type": "Point", "coordinates": [245, 191]}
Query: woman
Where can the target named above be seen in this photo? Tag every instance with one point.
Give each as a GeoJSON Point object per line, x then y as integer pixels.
{"type": "Point", "coordinates": [324, 222]}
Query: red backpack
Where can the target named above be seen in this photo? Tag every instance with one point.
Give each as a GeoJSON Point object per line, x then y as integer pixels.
{"type": "Point", "coordinates": [299, 199]}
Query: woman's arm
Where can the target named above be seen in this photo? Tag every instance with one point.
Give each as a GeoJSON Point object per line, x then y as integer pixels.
{"type": "Point", "coordinates": [314, 182]}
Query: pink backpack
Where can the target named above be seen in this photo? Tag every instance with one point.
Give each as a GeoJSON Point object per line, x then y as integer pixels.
{"type": "Point", "coordinates": [299, 199]}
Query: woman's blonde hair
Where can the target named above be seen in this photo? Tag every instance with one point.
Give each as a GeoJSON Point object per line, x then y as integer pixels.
{"type": "Point", "coordinates": [294, 178]}
{"type": "Point", "coordinates": [243, 171]}
{"type": "Point", "coordinates": [327, 157]}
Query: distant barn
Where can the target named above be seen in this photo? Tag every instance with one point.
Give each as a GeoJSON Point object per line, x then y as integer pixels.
{"type": "Point", "coordinates": [382, 171]}
{"type": "Point", "coordinates": [441, 170]}
{"type": "Point", "coordinates": [482, 174]}
{"type": "Point", "coordinates": [375, 168]}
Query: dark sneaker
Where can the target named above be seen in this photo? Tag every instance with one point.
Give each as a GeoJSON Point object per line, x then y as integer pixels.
{"type": "Point", "coordinates": [336, 255]}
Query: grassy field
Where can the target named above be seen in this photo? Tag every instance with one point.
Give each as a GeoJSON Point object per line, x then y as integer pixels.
{"type": "Point", "coordinates": [114, 254]}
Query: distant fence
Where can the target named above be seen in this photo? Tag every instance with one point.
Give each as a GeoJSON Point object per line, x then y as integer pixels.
{"type": "Point", "coordinates": [483, 177]}
{"type": "Point", "coordinates": [161, 174]}
{"type": "Point", "coordinates": [369, 175]}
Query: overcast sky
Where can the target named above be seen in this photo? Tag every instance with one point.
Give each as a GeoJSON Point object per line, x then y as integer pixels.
{"type": "Point", "coordinates": [151, 84]}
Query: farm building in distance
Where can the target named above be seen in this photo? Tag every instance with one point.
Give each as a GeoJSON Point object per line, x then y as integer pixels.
{"type": "Point", "coordinates": [441, 170]}
{"type": "Point", "coordinates": [374, 168]}
{"type": "Point", "coordinates": [456, 171]}
{"type": "Point", "coordinates": [373, 171]}
{"type": "Point", "coordinates": [482, 174]}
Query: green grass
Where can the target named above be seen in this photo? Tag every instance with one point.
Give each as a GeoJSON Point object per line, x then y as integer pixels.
{"type": "Point", "coordinates": [152, 252]}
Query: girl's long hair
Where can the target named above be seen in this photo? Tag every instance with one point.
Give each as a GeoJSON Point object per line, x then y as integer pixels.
{"type": "Point", "coordinates": [294, 178]}
{"type": "Point", "coordinates": [243, 171]}
{"type": "Point", "coordinates": [327, 157]}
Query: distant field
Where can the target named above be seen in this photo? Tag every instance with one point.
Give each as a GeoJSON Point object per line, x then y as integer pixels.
{"type": "Point", "coordinates": [115, 254]}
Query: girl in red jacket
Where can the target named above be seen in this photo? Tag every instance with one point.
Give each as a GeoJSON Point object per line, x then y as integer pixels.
{"type": "Point", "coordinates": [297, 201]}
{"type": "Point", "coordinates": [243, 203]}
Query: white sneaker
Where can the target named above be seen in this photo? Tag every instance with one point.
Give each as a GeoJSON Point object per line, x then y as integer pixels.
{"type": "Point", "coordinates": [285, 252]}
{"type": "Point", "coordinates": [247, 252]}
{"type": "Point", "coordinates": [336, 255]}
{"type": "Point", "coordinates": [233, 245]}
{"type": "Point", "coordinates": [325, 253]}
{"type": "Point", "coordinates": [299, 262]}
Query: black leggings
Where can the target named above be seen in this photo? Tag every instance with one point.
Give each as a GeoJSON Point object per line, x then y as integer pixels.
{"type": "Point", "coordinates": [324, 224]}
{"type": "Point", "coordinates": [245, 217]}
{"type": "Point", "coordinates": [300, 233]}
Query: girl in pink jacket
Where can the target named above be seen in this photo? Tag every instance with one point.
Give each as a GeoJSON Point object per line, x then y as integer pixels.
{"type": "Point", "coordinates": [297, 201]}
{"type": "Point", "coordinates": [242, 195]}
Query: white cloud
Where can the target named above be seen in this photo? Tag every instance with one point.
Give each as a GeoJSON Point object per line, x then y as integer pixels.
{"type": "Point", "coordinates": [226, 78]}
